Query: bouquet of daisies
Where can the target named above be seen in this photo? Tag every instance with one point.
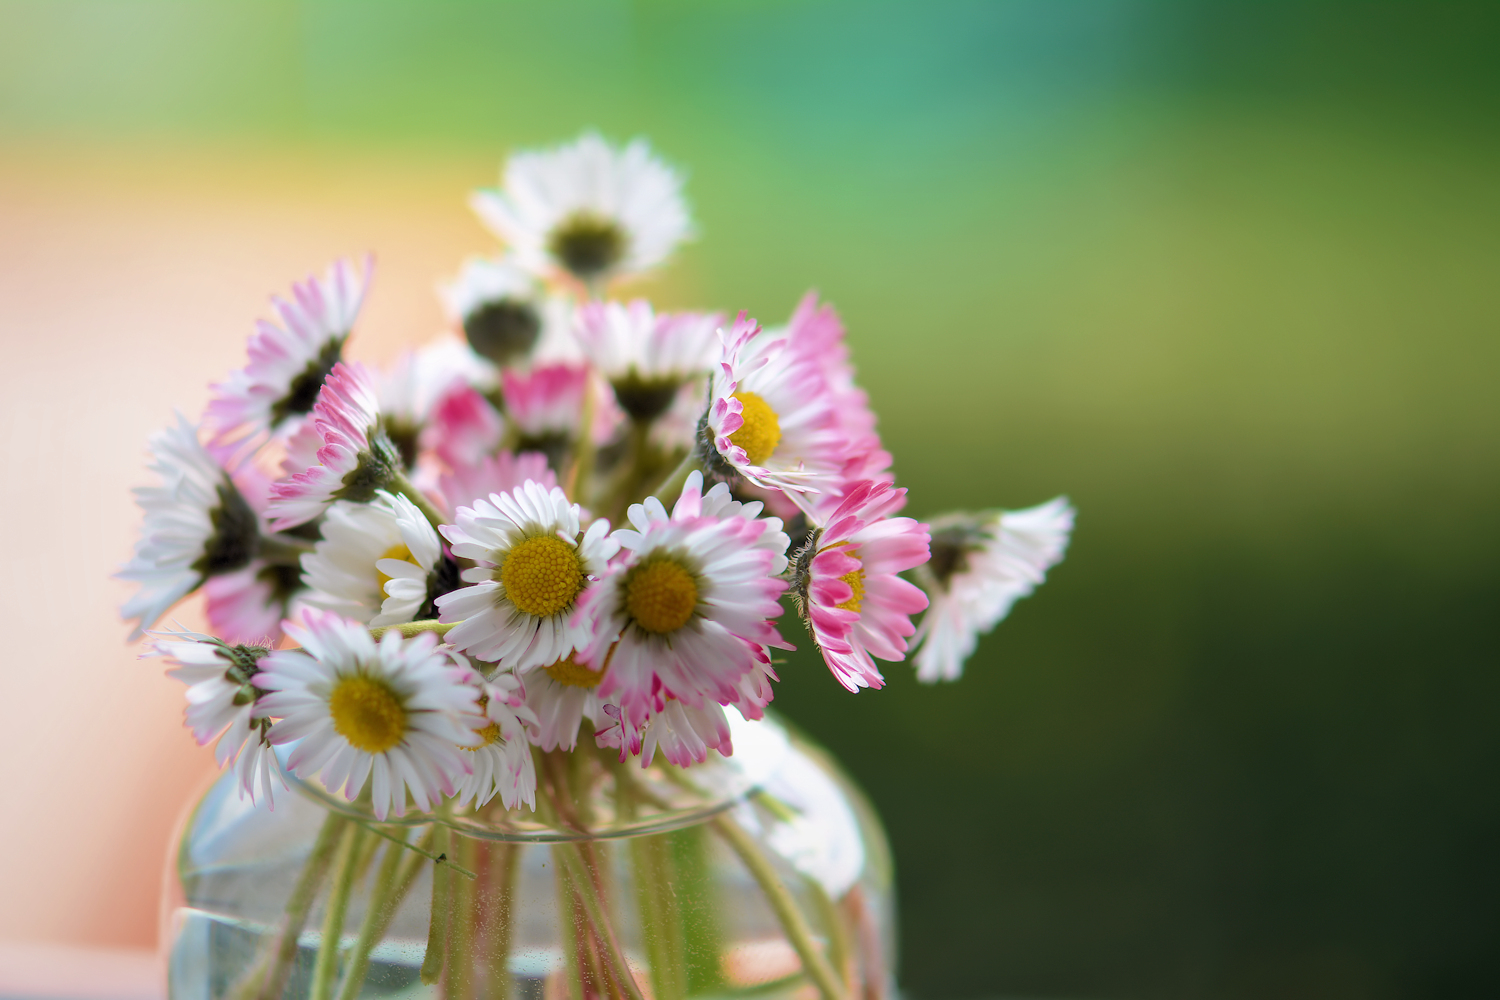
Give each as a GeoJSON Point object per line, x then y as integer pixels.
{"type": "Point", "coordinates": [580, 522]}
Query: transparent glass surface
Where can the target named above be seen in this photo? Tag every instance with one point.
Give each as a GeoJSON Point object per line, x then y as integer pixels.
{"type": "Point", "coordinates": [763, 874]}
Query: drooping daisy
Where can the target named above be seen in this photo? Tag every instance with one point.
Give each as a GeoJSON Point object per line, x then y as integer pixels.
{"type": "Point", "coordinates": [355, 459]}
{"type": "Point", "coordinates": [683, 733]}
{"type": "Point", "coordinates": [847, 588]}
{"type": "Point", "coordinates": [587, 208]}
{"type": "Point", "coordinates": [502, 762]}
{"type": "Point", "coordinates": [380, 563]}
{"type": "Point", "coordinates": [770, 417]}
{"type": "Point", "coordinates": [498, 306]}
{"type": "Point", "coordinates": [288, 363]}
{"type": "Point", "coordinates": [197, 525]}
{"type": "Point", "coordinates": [493, 474]}
{"type": "Point", "coordinates": [250, 604]}
{"type": "Point", "coordinates": [981, 565]}
{"type": "Point", "coordinates": [221, 705]}
{"type": "Point", "coordinates": [679, 613]}
{"type": "Point", "coordinates": [533, 564]}
{"type": "Point", "coordinates": [647, 356]}
{"type": "Point", "coordinates": [561, 695]}
{"type": "Point", "coordinates": [393, 712]}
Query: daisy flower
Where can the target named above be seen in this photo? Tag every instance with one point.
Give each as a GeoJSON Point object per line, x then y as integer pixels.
{"type": "Point", "coordinates": [647, 356]}
{"type": "Point", "coordinates": [464, 428]}
{"type": "Point", "coordinates": [393, 712]}
{"type": "Point", "coordinates": [407, 393]}
{"type": "Point", "coordinates": [679, 614]}
{"type": "Point", "coordinates": [221, 704]}
{"type": "Point", "coordinates": [589, 209]}
{"type": "Point", "coordinates": [770, 417]}
{"type": "Point", "coordinates": [380, 563]}
{"type": "Point", "coordinates": [288, 363]}
{"type": "Point", "coordinates": [981, 565]}
{"type": "Point", "coordinates": [533, 563]}
{"type": "Point", "coordinates": [847, 588]}
{"type": "Point", "coordinates": [561, 695]}
{"type": "Point", "coordinates": [250, 604]}
{"type": "Point", "coordinates": [355, 459]}
{"type": "Point", "coordinates": [197, 525]}
{"type": "Point", "coordinates": [498, 306]}
{"type": "Point", "coordinates": [683, 733]}
{"type": "Point", "coordinates": [502, 762]}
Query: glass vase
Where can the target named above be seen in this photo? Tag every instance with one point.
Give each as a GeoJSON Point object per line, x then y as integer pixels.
{"type": "Point", "coordinates": [762, 874]}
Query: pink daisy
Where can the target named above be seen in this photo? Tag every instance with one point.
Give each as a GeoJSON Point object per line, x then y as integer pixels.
{"type": "Point", "coordinates": [356, 458]}
{"type": "Point", "coordinates": [847, 588]}
{"type": "Point", "coordinates": [288, 363]}
{"type": "Point", "coordinates": [493, 474]}
{"type": "Point", "coordinates": [771, 416]}
{"type": "Point", "coordinates": [682, 613]}
{"type": "Point", "coordinates": [464, 428]}
{"type": "Point", "coordinates": [684, 734]}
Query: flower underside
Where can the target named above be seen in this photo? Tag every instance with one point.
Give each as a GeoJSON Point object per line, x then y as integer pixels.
{"type": "Point", "coordinates": [236, 534]}
{"type": "Point", "coordinates": [570, 673]}
{"type": "Point", "coordinates": [645, 399]}
{"type": "Point", "coordinates": [304, 388]}
{"type": "Point", "coordinates": [587, 244]}
{"type": "Point", "coordinates": [367, 713]}
{"type": "Point", "coordinates": [660, 595]}
{"type": "Point", "coordinates": [503, 331]}
{"type": "Point", "coordinates": [541, 575]}
{"type": "Point", "coordinates": [950, 553]}
{"type": "Point", "coordinates": [761, 432]}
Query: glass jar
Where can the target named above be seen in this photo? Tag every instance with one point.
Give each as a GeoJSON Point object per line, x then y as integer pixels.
{"type": "Point", "coordinates": [763, 874]}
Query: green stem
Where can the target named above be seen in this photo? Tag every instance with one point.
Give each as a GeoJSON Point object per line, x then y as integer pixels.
{"type": "Point", "coordinates": [671, 486]}
{"type": "Point", "coordinates": [392, 883]}
{"type": "Point", "coordinates": [572, 858]}
{"type": "Point", "coordinates": [326, 968]}
{"type": "Point", "coordinates": [272, 983]}
{"type": "Point", "coordinates": [501, 876]}
{"type": "Point", "coordinates": [458, 983]}
{"type": "Point", "coordinates": [782, 903]}
{"type": "Point", "coordinates": [437, 928]}
{"type": "Point", "coordinates": [419, 500]}
{"type": "Point", "coordinates": [284, 550]}
{"type": "Point", "coordinates": [409, 629]}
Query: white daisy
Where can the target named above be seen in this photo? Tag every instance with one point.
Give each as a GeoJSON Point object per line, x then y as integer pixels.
{"type": "Point", "coordinates": [498, 305]}
{"type": "Point", "coordinates": [380, 563]}
{"type": "Point", "coordinates": [683, 733]}
{"type": "Point", "coordinates": [647, 356]}
{"type": "Point", "coordinates": [289, 362]}
{"type": "Point", "coordinates": [981, 565]}
{"type": "Point", "coordinates": [682, 613]}
{"type": "Point", "coordinates": [395, 713]}
{"type": "Point", "coordinates": [502, 762]}
{"type": "Point", "coordinates": [221, 705]}
{"type": "Point", "coordinates": [534, 562]}
{"type": "Point", "coordinates": [771, 416]}
{"type": "Point", "coordinates": [197, 525]}
{"type": "Point", "coordinates": [590, 209]}
{"type": "Point", "coordinates": [560, 696]}
{"type": "Point", "coordinates": [410, 389]}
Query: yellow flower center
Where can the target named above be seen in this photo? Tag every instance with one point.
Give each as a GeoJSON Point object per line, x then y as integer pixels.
{"type": "Point", "coordinates": [661, 595]}
{"type": "Point", "coordinates": [367, 713]}
{"type": "Point", "coordinates": [397, 551]}
{"type": "Point", "coordinates": [490, 734]}
{"type": "Point", "coordinates": [761, 432]}
{"type": "Point", "coordinates": [574, 675]}
{"type": "Point", "coordinates": [541, 575]}
{"type": "Point", "coordinates": [855, 578]}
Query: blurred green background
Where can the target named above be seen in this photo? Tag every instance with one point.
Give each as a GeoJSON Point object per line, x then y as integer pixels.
{"type": "Point", "coordinates": [1226, 274]}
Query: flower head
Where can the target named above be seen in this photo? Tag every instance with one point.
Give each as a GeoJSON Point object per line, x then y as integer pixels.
{"type": "Point", "coordinates": [847, 587]}
{"type": "Point", "coordinates": [981, 565]}
{"type": "Point", "coordinates": [408, 392]}
{"type": "Point", "coordinates": [493, 474]}
{"type": "Point", "coordinates": [770, 417]}
{"type": "Point", "coordinates": [288, 363]}
{"type": "Point", "coordinates": [197, 525]}
{"type": "Point", "coordinates": [250, 604]}
{"type": "Point", "coordinates": [533, 564]}
{"type": "Point", "coordinates": [561, 695]}
{"type": "Point", "coordinates": [392, 712]}
{"type": "Point", "coordinates": [380, 563]}
{"type": "Point", "coordinates": [647, 356]}
{"type": "Point", "coordinates": [498, 306]}
{"type": "Point", "coordinates": [684, 733]}
{"type": "Point", "coordinates": [589, 209]}
{"type": "Point", "coordinates": [502, 760]}
{"type": "Point", "coordinates": [683, 612]}
{"type": "Point", "coordinates": [221, 704]}
{"type": "Point", "coordinates": [355, 458]}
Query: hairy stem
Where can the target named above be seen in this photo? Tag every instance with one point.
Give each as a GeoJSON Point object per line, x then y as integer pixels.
{"type": "Point", "coordinates": [409, 629]}
{"type": "Point", "coordinates": [784, 906]}
{"type": "Point", "coordinates": [325, 970]}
